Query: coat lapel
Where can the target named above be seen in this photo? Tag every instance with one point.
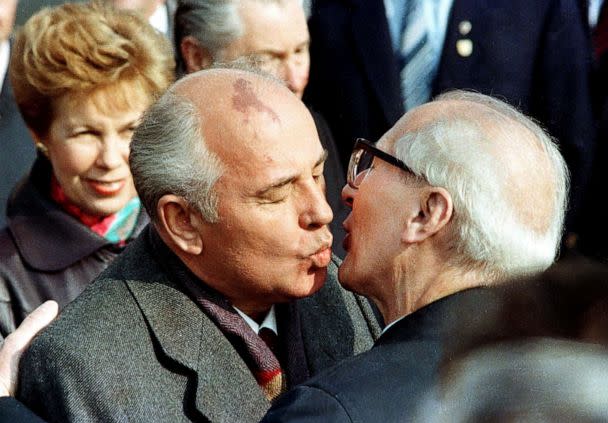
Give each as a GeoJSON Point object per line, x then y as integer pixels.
{"type": "Point", "coordinates": [373, 42]}
{"type": "Point", "coordinates": [335, 324]}
{"type": "Point", "coordinates": [226, 390]}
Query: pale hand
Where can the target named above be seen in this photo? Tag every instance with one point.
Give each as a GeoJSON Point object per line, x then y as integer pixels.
{"type": "Point", "coordinates": [18, 341]}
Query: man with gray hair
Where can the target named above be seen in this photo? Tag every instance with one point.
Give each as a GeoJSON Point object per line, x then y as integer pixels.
{"type": "Point", "coordinates": [463, 192]}
{"type": "Point", "coordinates": [271, 35]}
{"type": "Point", "coordinates": [231, 295]}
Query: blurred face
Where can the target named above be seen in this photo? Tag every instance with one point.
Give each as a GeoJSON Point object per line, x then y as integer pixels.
{"type": "Point", "coordinates": [89, 151]}
{"type": "Point", "coordinates": [276, 38]}
{"type": "Point", "coordinates": [271, 243]}
{"type": "Point", "coordinates": [8, 9]}
{"type": "Point", "coordinates": [146, 7]}
{"type": "Point", "coordinates": [373, 228]}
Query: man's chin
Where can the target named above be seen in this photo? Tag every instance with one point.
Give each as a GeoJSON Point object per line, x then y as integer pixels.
{"type": "Point", "coordinates": [314, 282]}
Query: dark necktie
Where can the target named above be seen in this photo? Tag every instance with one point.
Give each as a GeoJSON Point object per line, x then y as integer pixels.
{"type": "Point", "coordinates": [274, 381]}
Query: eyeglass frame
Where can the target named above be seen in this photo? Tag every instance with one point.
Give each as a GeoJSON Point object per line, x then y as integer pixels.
{"type": "Point", "coordinates": [361, 144]}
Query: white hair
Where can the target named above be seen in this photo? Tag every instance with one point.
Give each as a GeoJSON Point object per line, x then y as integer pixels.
{"type": "Point", "coordinates": [488, 234]}
{"type": "Point", "coordinates": [169, 156]}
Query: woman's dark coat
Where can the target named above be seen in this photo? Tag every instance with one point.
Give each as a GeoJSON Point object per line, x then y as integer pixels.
{"type": "Point", "coordinates": [46, 254]}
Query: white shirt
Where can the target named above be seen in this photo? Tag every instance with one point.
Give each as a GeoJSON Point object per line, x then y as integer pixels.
{"type": "Point", "coordinates": [436, 14]}
{"type": "Point", "coordinates": [5, 53]}
{"type": "Point", "coordinates": [594, 12]}
{"type": "Point", "coordinates": [160, 19]}
{"type": "Point", "coordinates": [270, 321]}
{"type": "Point", "coordinates": [391, 324]}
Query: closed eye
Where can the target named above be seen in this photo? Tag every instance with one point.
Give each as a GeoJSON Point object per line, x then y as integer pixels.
{"type": "Point", "coordinates": [85, 132]}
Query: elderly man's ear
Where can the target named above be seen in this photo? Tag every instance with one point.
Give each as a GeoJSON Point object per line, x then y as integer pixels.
{"type": "Point", "coordinates": [433, 213]}
{"type": "Point", "coordinates": [195, 56]}
{"type": "Point", "coordinates": [181, 223]}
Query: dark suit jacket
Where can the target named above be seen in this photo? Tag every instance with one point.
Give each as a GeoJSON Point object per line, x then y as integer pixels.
{"type": "Point", "coordinates": [135, 347]}
{"type": "Point", "coordinates": [17, 151]}
{"type": "Point", "coordinates": [386, 383]}
{"type": "Point", "coordinates": [12, 411]}
{"type": "Point", "coordinates": [533, 54]}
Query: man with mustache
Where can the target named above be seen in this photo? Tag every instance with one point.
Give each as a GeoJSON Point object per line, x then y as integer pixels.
{"type": "Point", "coordinates": [462, 193]}
{"type": "Point", "coordinates": [229, 166]}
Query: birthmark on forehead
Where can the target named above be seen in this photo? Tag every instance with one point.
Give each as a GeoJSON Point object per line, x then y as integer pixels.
{"type": "Point", "coordinates": [245, 98]}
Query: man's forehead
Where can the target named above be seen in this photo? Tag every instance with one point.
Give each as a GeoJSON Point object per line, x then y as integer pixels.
{"type": "Point", "coordinates": [220, 91]}
{"type": "Point", "coordinates": [260, 17]}
{"type": "Point", "coordinates": [257, 170]}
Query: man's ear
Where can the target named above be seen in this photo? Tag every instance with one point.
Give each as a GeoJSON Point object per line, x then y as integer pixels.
{"type": "Point", "coordinates": [195, 56]}
{"type": "Point", "coordinates": [181, 223]}
{"type": "Point", "coordinates": [434, 212]}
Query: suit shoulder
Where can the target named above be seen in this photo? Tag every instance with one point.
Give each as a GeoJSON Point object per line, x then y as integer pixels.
{"type": "Point", "coordinates": [306, 401]}
{"type": "Point", "coordinates": [97, 310]}
{"type": "Point", "coordinates": [382, 384]}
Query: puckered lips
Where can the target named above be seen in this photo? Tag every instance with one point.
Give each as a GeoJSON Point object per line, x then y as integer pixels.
{"type": "Point", "coordinates": [321, 257]}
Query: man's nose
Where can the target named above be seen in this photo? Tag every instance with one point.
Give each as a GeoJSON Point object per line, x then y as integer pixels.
{"type": "Point", "coordinates": [112, 152]}
{"type": "Point", "coordinates": [348, 195]}
{"type": "Point", "coordinates": [295, 75]}
{"type": "Point", "coordinates": [318, 213]}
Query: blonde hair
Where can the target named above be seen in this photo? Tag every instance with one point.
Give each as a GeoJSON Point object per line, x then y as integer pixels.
{"type": "Point", "coordinates": [76, 48]}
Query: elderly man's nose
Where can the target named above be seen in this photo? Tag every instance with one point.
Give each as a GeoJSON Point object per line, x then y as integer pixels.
{"type": "Point", "coordinates": [348, 194]}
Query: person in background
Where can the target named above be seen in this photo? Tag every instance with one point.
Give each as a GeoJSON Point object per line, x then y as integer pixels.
{"type": "Point", "coordinates": [82, 74]}
{"type": "Point", "coordinates": [531, 380]}
{"type": "Point", "coordinates": [17, 151]}
{"type": "Point", "coordinates": [373, 60]}
{"type": "Point", "coordinates": [271, 35]}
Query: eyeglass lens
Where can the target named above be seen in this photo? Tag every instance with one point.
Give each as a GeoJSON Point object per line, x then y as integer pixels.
{"type": "Point", "coordinates": [362, 161]}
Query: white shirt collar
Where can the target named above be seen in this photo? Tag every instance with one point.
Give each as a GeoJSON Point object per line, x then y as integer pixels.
{"type": "Point", "coordinates": [5, 53]}
{"type": "Point", "coordinates": [160, 19]}
{"type": "Point", "coordinates": [391, 324]}
{"type": "Point", "coordinates": [270, 321]}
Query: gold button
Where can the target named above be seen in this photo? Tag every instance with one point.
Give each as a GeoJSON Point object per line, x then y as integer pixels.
{"type": "Point", "coordinates": [464, 47]}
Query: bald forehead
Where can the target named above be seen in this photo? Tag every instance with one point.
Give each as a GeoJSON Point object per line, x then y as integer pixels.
{"type": "Point", "coordinates": [237, 106]}
{"type": "Point", "coordinates": [497, 126]}
{"type": "Point", "coordinates": [205, 86]}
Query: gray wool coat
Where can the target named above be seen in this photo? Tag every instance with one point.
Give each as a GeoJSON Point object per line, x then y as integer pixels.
{"type": "Point", "coordinates": [133, 347]}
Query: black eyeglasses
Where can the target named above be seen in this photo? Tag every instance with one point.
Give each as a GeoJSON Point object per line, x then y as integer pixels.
{"type": "Point", "coordinates": [361, 160]}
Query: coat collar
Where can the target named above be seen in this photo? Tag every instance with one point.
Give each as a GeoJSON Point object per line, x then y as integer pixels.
{"type": "Point", "coordinates": [442, 319]}
{"type": "Point", "coordinates": [38, 225]}
{"type": "Point", "coordinates": [191, 339]}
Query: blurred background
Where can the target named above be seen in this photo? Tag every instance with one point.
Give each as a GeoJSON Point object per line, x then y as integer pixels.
{"type": "Point", "coordinates": [26, 8]}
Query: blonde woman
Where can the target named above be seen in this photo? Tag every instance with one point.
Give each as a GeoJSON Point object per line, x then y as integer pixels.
{"type": "Point", "coordinates": [83, 74]}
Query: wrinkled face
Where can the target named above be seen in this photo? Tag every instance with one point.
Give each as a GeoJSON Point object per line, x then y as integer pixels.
{"type": "Point", "coordinates": [89, 150]}
{"type": "Point", "coordinates": [374, 227]}
{"type": "Point", "coordinates": [8, 8]}
{"type": "Point", "coordinates": [271, 243]}
{"type": "Point", "coordinates": [276, 39]}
